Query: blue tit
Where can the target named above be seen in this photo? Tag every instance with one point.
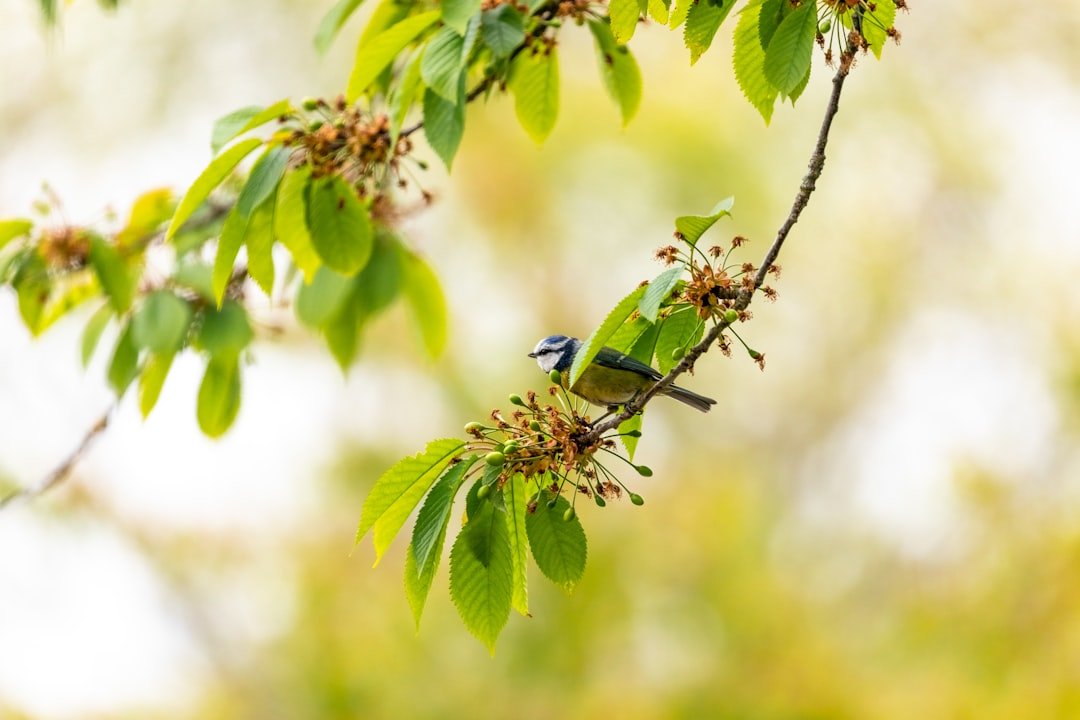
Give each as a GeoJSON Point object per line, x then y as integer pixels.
{"type": "Point", "coordinates": [612, 378]}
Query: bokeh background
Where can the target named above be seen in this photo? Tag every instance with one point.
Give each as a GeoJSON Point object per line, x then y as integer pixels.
{"type": "Point", "coordinates": [883, 524]}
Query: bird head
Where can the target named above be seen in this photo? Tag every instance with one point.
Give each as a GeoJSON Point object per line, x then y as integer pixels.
{"type": "Point", "coordinates": [555, 353]}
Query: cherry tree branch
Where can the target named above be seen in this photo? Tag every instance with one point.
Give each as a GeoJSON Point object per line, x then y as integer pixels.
{"type": "Point", "coordinates": [742, 301]}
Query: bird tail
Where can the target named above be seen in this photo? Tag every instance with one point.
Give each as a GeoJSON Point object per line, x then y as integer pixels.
{"type": "Point", "coordinates": [698, 402]}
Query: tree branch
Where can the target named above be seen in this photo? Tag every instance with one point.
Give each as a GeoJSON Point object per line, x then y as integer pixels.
{"type": "Point", "coordinates": [63, 470]}
{"type": "Point", "coordinates": [806, 188]}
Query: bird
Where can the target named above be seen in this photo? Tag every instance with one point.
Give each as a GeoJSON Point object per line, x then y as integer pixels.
{"type": "Point", "coordinates": [612, 378]}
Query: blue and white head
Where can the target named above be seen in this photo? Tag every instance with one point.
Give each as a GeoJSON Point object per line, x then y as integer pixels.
{"type": "Point", "coordinates": [556, 353]}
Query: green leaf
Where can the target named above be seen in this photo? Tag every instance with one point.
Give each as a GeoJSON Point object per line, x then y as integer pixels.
{"type": "Point", "coordinates": [290, 221]}
{"type": "Point", "coordinates": [875, 23]}
{"type": "Point", "coordinates": [161, 323]}
{"type": "Point", "coordinates": [229, 242]}
{"type": "Point", "coordinates": [624, 16]}
{"type": "Point", "coordinates": [263, 180]}
{"type": "Point", "coordinates": [124, 365]}
{"type": "Point", "coordinates": [332, 22]}
{"type": "Point", "coordinates": [321, 299]}
{"type": "Point", "coordinates": [558, 546]}
{"type": "Point", "coordinates": [444, 123]}
{"type": "Point", "coordinates": [11, 229]}
{"type": "Point", "coordinates": [418, 584]}
{"type": "Point", "coordinates": [427, 302]}
{"type": "Point", "coordinates": [514, 494]}
{"type": "Point", "coordinates": [456, 13]}
{"type": "Point", "coordinates": [68, 292]}
{"type": "Point", "coordinates": [373, 55]}
{"type": "Point", "coordinates": [659, 10]}
{"type": "Point", "coordinates": [791, 47]}
{"type": "Point", "coordinates": [259, 239]}
{"type": "Point", "coordinates": [339, 224]}
{"type": "Point", "coordinates": [240, 121]}
{"type": "Point", "coordinates": [618, 70]}
{"type": "Point", "coordinates": [218, 169]}
{"type": "Point", "coordinates": [771, 15]}
{"type": "Point", "coordinates": [225, 332]}
{"type": "Point", "coordinates": [534, 81]}
{"type": "Point", "coordinates": [117, 278]}
{"type": "Point", "coordinates": [219, 395]}
{"type": "Point", "coordinates": [657, 292]}
{"type": "Point", "coordinates": [682, 329]}
{"type": "Point", "coordinates": [503, 30]}
{"type": "Point", "coordinates": [151, 381]}
{"type": "Point", "coordinates": [644, 347]}
{"type": "Point", "coordinates": [798, 91]}
{"type": "Point", "coordinates": [628, 441]}
{"type": "Point", "coordinates": [443, 63]}
{"type": "Point", "coordinates": [92, 334]}
{"type": "Point", "coordinates": [749, 62]}
{"type": "Point", "coordinates": [702, 22]}
{"type": "Point", "coordinates": [692, 227]}
{"type": "Point", "coordinates": [197, 277]}
{"type": "Point", "coordinates": [32, 284]}
{"type": "Point", "coordinates": [381, 279]}
{"type": "Point", "coordinates": [679, 13]}
{"type": "Point", "coordinates": [148, 212]}
{"type": "Point", "coordinates": [403, 94]}
{"type": "Point", "coordinates": [400, 488]}
{"type": "Point", "coordinates": [435, 514]}
{"type": "Point", "coordinates": [601, 335]}
{"type": "Point", "coordinates": [481, 574]}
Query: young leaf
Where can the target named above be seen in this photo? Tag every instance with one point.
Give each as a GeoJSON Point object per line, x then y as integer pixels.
{"type": "Point", "coordinates": [225, 332]}
{"type": "Point", "coordinates": [117, 278]}
{"type": "Point", "coordinates": [427, 302]}
{"type": "Point", "coordinates": [630, 441]}
{"type": "Point", "coordinates": [749, 62]}
{"type": "Point", "coordinates": [514, 492]}
{"type": "Point", "coordinates": [219, 395]}
{"type": "Point", "coordinates": [791, 47]}
{"type": "Point", "coordinates": [373, 55]}
{"type": "Point", "coordinates": [481, 574]}
{"type": "Point", "coordinates": [618, 69]}
{"type": "Point", "coordinates": [339, 224]}
{"type": "Point", "coordinates": [161, 323]}
{"type": "Point", "coordinates": [321, 299]}
{"type": "Point", "coordinates": [124, 365]}
{"type": "Point", "coordinates": [417, 583]}
{"type": "Point", "coordinates": [534, 81]}
{"type": "Point", "coordinates": [403, 94]}
{"type": "Point", "coordinates": [240, 121]}
{"type": "Point", "coordinates": [290, 221]}
{"type": "Point", "coordinates": [92, 334]}
{"type": "Point", "coordinates": [702, 22]}
{"type": "Point", "coordinates": [659, 10]}
{"type": "Point", "coordinates": [11, 229]}
{"type": "Point", "coordinates": [692, 227]}
{"type": "Point", "coordinates": [502, 29]}
{"type": "Point", "coordinates": [263, 180]}
{"type": "Point", "coordinates": [400, 488]}
{"type": "Point", "coordinates": [679, 13]}
{"type": "Point", "coordinates": [456, 13]}
{"type": "Point", "coordinates": [332, 22]}
{"type": "Point", "coordinates": [624, 16]}
{"type": "Point", "coordinates": [230, 240]}
{"type": "Point", "coordinates": [259, 240]}
{"type": "Point", "coordinates": [435, 514]}
{"type": "Point", "coordinates": [218, 169]}
{"type": "Point", "coordinates": [601, 335]}
{"type": "Point", "coordinates": [874, 25]}
{"type": "Point", "coordinates": [657, 292]}
{"type": "Point", "coordinates": [443, 63]}
{"type": "Point", "coordinates": [151, 381]}
{"type": "Point", "coordinates": [681, 330]}
{"type": "Point", "coordinates": [444, 123]}
{"type": "Point", "coordinates": [558, 545]}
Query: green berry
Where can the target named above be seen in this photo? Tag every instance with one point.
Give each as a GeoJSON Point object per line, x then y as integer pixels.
{"type": "Point", "coordinates": [551, 503]}
{"type": "Point", "coordinates": [510, 448]}
{"type": "Point", "coordinates": [599, 501]}
{"type": "Point", "coordinates": [568, 515]}
{"type": "Point", "coordinates": [753, 353]}
{"type": "Point", "coordinates": [556, 377]}
{"type": "Point", "coordinates": [495, 458]}
{"type": "Point", "coordinates": [310, 104]}
{"type": "Point", "coordinates": [516, 400]}
{"type": "Point", "coordinates": [643, 470]}
{"type": "Point", "coordinates": [314, 125]}
{"type": "Point", "coordinates": [474, 427]}
{"type": "Point", "coordinates": [637, 499]}
{"type": "Point", "coordinates": [825, 26]}
{"type": "Point", "coordinates": [731, 316]}
{"type": "Point", "coordinates": [483, 492]}
{"type": "Point", "coordinates": [534, 426]}
{"type": "Point", "coordinates": [632, 433]}
{"type": "Point", "coordinates": [677, 354]}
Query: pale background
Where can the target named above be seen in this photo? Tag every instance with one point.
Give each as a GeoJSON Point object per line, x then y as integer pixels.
{"type": "Point", "coordinates": [885, 523]}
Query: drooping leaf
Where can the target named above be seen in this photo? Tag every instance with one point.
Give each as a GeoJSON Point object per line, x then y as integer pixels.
{"type": "Point", "coordinates": [33, 287]}
{"type": "Point", "coordinates": [259, 240]}
{"type": "Point", "coordinates": [444, 123]}
{"type": "Point", "coordinates": [116, 276]}
{"type": "Point", "coordinates": [219, 395]}
{"type": "Point", "coordinates": [679, 13]}
{"type": "Point", "coordinates": [226, 331]}
{"type": "Point", "coordinates": [657, 292]}
{"type": "Point", "coordinates": [624, 16]}
{"type": "Point", "coordinates": [92, 333]}
{"type": "Point", "coordinates": [791, 47]}
{"type": "Point", "coordinates": [418, 584]}
{"type": "Point", "coordinates": [692, 227]}
{"type": "Point", "coordinates": [68, 292]}
{"type": "Point", "coordinates": [154, 373]}
{"type": "Point", "coordinates": [11, 229]}
{"type": "Point", "coordinates": [230, 241]}
{"type": "Point", "coordinates": [600, 336]}
{"type": "Point", "coordinates": [443, 63]}
{"type": "Point", "coordinates": [481, 574]}
{"type": "Point", "coordinates": [702, 22]}
{"type": "Point", "coordinates": [374, 54]}
{"type": "Point", "coordinates": [321, 299]}
{"type": "Point", "coordinates": [798, 91]}
{"type": "Point", "coordinates": [618, 70]}
{"type": "Point", "coordinates": [558, 545]}
{"type": "Point", "coordinates": [514, 495]}
{"type": "Point", "coordinates": [263, 181]}
{"type": "Point", "coordinates": [534, 81]}
{"type": "Point", "coordinates": [379, 283]}
{"type": "Point", "coordinates": [218, 169]}
{"type": "Point", "coordinates": [290, 221]}
{"type": "Point", "coordinates": [457, 13]}
{"type": "Point", "coordinates": [403, 95]}
{"type": "Point", "coordinates": [629, 441]}
{"type": "Point", "coordinates": [240, 121]}
{"type": "Point", "coordinates": [400, 488]}
{"type": "Point", "coordinates": [659, 10]}
{"type": "Point", "coordinates": [749, 62]}
{"type": "Point", "coordinates": [148, 212]}
{"type": "Point", "coordinates": [124, 365]}
{"type": "Point", "coordinates": [339, 224]}
{"type": "Point", "coordinates": [435, 514]}
{"type": "Point", "coordinates": [427, 302]}
{"type": "Point", "coordinates": [681, 330]}
{"type": "Point", "coordinates": [502, 29]}
{"type": "Point", "coordinates": [875, 24]}
{"type": "Point", "coordinates": [332, 22]}
{"type": "Point", "coordinates": [161, 323]}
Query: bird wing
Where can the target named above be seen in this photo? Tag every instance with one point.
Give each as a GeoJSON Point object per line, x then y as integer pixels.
{"type": "Point", "coordinates": [621, 361]}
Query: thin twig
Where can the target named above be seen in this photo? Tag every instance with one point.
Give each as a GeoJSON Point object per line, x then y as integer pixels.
{"type": "Point", "coordinates": [63, 470]}
{"type": "Point", "coordinates": [806, 188]}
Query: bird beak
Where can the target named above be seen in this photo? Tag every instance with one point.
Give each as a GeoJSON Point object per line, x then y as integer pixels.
{"type": "Point", "coordinates": [532, 355]}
